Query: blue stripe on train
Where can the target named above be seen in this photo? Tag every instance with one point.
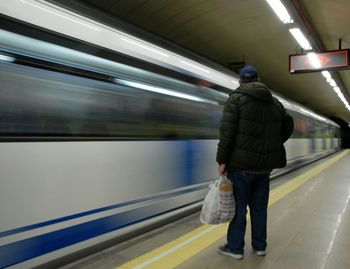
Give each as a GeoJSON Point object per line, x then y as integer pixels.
{"type": "Point", "coordinates": [189, 162]}
{"type": "Point", "coordinates": [30, 248]}
{"type": "Point", "coordinates": [94, 211]}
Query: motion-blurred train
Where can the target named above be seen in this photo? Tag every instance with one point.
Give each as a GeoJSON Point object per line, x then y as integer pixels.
{"type": "Point", "coordinates": [103, 133]}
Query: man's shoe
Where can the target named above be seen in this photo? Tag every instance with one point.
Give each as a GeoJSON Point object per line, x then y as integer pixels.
{"type": "Point", "coordinates": [224, 250]}
{"type": "Point", "coordinates": [261, 252]}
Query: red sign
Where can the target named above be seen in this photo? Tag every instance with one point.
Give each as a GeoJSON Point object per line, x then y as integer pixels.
{"type": "Point", "coordinates": [312, 62]}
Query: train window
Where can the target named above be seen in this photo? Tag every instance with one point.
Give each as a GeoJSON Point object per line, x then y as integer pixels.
{"type": "Point", "coordinates": [41, 103]}
{"type": "Point", "coordinates": [305, 127]}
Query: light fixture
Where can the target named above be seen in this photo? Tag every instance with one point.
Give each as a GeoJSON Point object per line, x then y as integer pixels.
{"type": "Point", "coordinates": [341, 97]}
{"type": "Point", "coordinates": [337, 90]}
{"type": "Point", "coordinates": [314, 60]}
{"type": "Point", "coordinates": [280, 11]}
{"type": "Point", "coordinates": [327, 75]}
{"type": "Point", "coordinates": [333, 83]}
{"type": "Point", "coordinates": [284, 16]}
{"type": "Point", "coordinates": [6, 58]}
{"type": "Point", "coordinates": [300, 38]}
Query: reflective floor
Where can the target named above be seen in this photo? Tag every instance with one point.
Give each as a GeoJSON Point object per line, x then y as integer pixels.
{"type": "Point", "coordinates": [308, 228]}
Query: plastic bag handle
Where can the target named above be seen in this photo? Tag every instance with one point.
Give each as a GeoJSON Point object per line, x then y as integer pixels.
{"type": "Point", "coordinates": [222, 177]}
{"type": "Point", "coordinates": [217, 182]}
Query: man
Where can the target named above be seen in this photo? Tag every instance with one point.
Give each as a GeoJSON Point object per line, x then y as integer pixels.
{"type": "Point", "coordinates": [253, 129]}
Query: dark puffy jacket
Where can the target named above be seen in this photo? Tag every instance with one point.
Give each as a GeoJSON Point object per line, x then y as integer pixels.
{"type": "Point", "coordinates": [253, 129]}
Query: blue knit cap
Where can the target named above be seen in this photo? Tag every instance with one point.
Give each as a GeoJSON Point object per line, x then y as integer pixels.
{"type": "Point", "coordinates": [248, 73]}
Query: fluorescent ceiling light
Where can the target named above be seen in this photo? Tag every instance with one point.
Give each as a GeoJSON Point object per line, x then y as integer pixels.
{"type": "Point", "coordinates": [314, 60]}
{"type": "Point", "coordinates": [280, 11]}
{"type": "Point", "coordinates": [162, 91]}
{"type": "Point", "coordinates": [333, 83]}
{"type": "Point", "coordinates": [300, 38]}
{"type": "Point", "coordinates": [342, 97]}
{"type": "Point", "coordinates": [327, 75]}
{"type": "Point", "coordinates": [337, 90]}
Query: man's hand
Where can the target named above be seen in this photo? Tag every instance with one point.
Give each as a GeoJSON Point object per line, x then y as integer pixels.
{"type": "Point", "coordinates": [222, 169]}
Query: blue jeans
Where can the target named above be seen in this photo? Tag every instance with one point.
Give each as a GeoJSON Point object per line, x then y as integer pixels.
{"type": "Point", "coordinates": [252, 190]}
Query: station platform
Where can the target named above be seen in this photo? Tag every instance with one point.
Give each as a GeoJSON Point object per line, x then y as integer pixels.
{"type": "Point", "coordinates": [308, 227]}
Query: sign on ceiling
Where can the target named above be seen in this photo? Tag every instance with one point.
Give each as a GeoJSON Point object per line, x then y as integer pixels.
{"type": "Point", "coordinates": [312, 62]}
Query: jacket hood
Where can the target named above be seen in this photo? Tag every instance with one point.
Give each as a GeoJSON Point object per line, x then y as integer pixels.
{"type": "Point", "coordinates": [256, 90]}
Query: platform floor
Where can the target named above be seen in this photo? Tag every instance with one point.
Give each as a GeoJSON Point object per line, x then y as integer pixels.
{"type": "Point", "coordinates": [308, 227]}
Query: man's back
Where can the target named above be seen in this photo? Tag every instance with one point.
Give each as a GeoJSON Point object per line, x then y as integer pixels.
{"type": "Point", "coordinates": [254, 127]}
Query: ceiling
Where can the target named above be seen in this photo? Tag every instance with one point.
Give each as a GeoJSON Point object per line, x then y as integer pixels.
{"type": "Point", "coordinates": [228, 31]}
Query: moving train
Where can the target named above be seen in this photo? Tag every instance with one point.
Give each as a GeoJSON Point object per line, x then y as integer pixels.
{"type": "Point", "coordinates": [99, 140]}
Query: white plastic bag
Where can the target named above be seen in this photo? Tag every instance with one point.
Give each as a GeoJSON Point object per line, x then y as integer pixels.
{"type": "Point", "coordinates": [219, 204]}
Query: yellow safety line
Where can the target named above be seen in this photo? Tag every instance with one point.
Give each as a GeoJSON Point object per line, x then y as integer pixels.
{"type": "Point", "coordinates": [186, 246]}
